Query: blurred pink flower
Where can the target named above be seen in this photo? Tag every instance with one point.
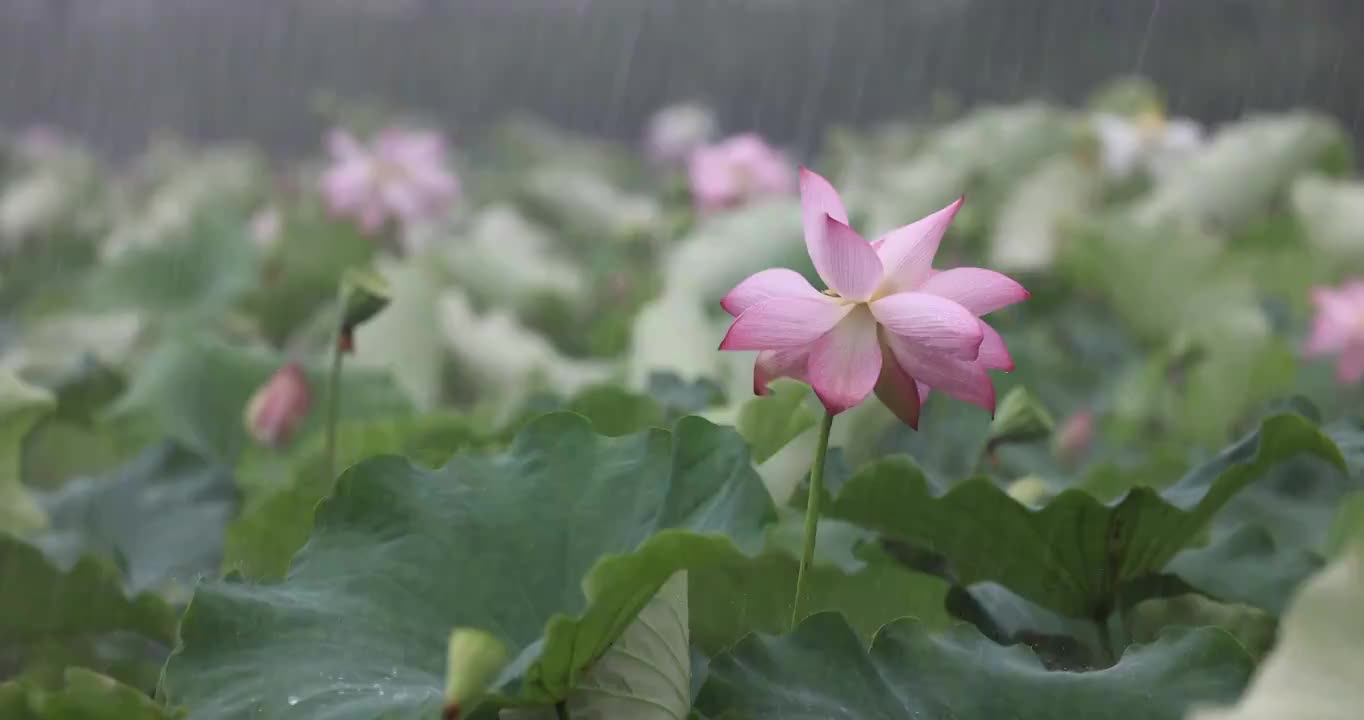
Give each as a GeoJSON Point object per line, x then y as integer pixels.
{"type": "Point", "coordinates": [401, 174]}
{"type": "Point", "coordinates": [279, 406]}
{"type": "Point", "coordinates": [39, 141]}
{"type": "Point", "coordinates": [738, 170]}
{"type": "Point", "coordinates": [889, 322]}
{"type": "Point", "coordinates": [1338, 329]}
{"type": "Point", "coordinates": [1075, 435]}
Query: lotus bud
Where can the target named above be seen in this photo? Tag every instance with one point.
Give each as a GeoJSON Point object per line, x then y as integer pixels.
{"type": "Point", "coordinates": [474, 659]}
{"type": "Point", "coordinates": [279, 406]}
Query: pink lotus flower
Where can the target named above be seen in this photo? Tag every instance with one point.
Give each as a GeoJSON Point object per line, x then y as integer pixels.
{"type": "Point", "coordinates": [736, 171]}
{"type": "Point", "coordinates": [401, 175]}
{"type": "Point", "coordinates": [889, 322]}
{"type": "Point", "coordinates": [279, 406]}
{"type": "Point", "coordinates": [1338, 329]}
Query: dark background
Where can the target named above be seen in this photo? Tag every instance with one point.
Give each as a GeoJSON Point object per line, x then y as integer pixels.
{"type": "Point", "coordinates": [116, 70]}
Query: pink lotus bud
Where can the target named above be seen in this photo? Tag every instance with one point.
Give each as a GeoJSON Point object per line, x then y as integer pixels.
{"type": "Point", "coordinates": [1075, 436]}
{"type": "Point", "coordinates": [279, 406]}
{"type": "Point", "coordinates": [1338, 329]}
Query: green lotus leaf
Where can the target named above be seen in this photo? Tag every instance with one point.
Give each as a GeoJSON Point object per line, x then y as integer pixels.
{"type": "Point", "coordinates": [196, 388]}
{"type": "Point", "coordinates": [770, 422]}
{"type": "Point", "coordinates": [160, 517]}
{"type": "Point", "coordinates": [283, 492]}
{"type": "Point", "coordinates": [553, 546]}
{"type": "Point", "coordinates": [47, 612]}
{"type": "Point", "coordinates": [1347, 525]}
{"type": "Point", "coordinates": [200, 272]}
{"type": "Point", "coordinates": [1252, 627]}
{"type": "Point", "coordinates": [824, 670]}
{"type": "Point", "coordinates": [1247, 566]}
{"type": "Point", "coordinates": [1297, 501]}
{"type": "Point", "coordinates": [645, 675]}
{"type": "Point", "coordinates": [1072, 554]}
{"type": "Point", "coordinates": [82, 695]}
{"type": "Point", "coordinates": [1314, 671]}
{"type": "Point", "coordinates": [302, 271]}
{"type": "Point", "coordinates": [614, 410]}
{"type": "Point", "coordinates": [21, 406]}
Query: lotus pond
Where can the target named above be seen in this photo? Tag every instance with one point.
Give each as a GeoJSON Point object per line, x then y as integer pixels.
{"type": "Point", "coordinates": [533, 425]}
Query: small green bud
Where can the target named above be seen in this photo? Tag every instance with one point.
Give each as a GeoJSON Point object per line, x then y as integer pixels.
{"type": "Point", "coordinates": [1020, 417]}
{"type": "Point", "coordinates": [367, 293]}
{"type": "Point", "coordinates": [474, 660]}
{"type": "Point", "coordinates": [1030, 490]}
{"type": "Point", "coordinates": [1129, 96]}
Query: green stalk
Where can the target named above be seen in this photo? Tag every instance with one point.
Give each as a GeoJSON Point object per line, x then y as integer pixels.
{"type": "Point", "coordinates": [807, 552]}
{"type": "Point", "coordinates": [561, 710]}
{"type": "Point", "coordinates": [334, 382]}
{"type": "Point", "coordinates": [1110, 657]}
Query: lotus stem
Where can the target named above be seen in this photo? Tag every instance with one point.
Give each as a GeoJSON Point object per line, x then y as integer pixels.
{"type": "Point", "coordinates": [1110, 657]}
{"type": "Point", "coordinates": [333, 415]}
{"type": "Point", "coordinates": [812, 500]}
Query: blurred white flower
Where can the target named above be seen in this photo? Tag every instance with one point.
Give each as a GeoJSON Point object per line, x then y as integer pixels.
{"type": "Point", "coordinates": [505, 258]}
{"type": "Point", "coordinates": [506, 359]}
{"type": "Point", "coordinates": [266, 226]}
{"type": "Point", "coordinates": [53, 343]}
{"type": "Point", "coordinates": [32, 203]}
{"type": "Point", "coordinates": [1147, 143]}
{"type": "Point", "coordinates": [730, 247]}
{"type": "Point", "coordinates": [183, 185]}
{"type": "Point", "coordinates": [675, 132]}
{"type": "Point", "coordinates": [50, 186]}
{"type": "Point", "coordinates": [1027, 233]}
{"type": "Point", "coordinates": [1332, 212]}
{"type": "Point", "coordinates": [1244, 167]}
{"type": "Point", "coordinates": [673, 334]}
{"type": "Point", "coordinates": [402, 339]}
{"type": "Point", "coordinates": [918, 173]}
{"type": "Point", "coordinates": [591, 204]}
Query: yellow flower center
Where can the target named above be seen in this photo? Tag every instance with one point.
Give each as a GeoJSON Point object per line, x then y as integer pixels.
{"type": "Point", "coordinates": [1151, 124]}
